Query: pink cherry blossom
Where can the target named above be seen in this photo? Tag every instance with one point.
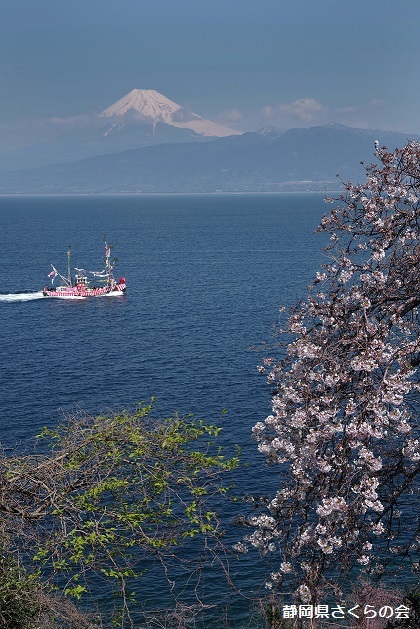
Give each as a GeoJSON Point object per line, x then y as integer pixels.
{"type": "Point", "coordinates": [344, 419]}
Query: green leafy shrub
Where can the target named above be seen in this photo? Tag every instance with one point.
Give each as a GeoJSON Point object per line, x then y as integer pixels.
{"type": "Point", "coordinates": [19, 605]}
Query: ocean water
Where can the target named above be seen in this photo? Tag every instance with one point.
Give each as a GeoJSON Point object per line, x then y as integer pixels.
{"type": "Point", "coordinates": [206, 275]}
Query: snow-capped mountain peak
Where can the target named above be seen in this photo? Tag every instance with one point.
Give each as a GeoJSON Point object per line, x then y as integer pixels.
{"type": "Point", "coordinates": [152, 107]}
{"type": "Point", "coordinates": [271, 132]}
{"type": "Point", "coordinates": [148, 103]}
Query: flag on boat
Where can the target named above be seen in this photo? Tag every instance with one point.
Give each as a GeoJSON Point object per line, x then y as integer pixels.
{"type": "Point", "coordinates": [53, 275]}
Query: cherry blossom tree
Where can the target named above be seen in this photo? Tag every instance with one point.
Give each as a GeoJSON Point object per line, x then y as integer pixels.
{"type": "Point", "coordinates": [343, 427]}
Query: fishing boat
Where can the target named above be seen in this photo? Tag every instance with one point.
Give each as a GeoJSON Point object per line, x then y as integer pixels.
{"type": "Point", "coordinates": [80, 287]}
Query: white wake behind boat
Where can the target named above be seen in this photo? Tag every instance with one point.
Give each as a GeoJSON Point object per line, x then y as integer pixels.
{"type": "Point", "coordinates": [80, 287]}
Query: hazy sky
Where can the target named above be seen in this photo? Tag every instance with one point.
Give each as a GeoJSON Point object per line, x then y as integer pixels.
{"type": "Point", "coordinates": [246, 63]}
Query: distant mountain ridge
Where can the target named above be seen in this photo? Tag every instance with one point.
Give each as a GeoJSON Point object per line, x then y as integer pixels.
{"type": "Point", "coordinates": [293, 160]}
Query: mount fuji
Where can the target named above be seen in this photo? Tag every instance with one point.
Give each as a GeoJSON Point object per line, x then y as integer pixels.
{"type": "Point", "coordinates": [140, 118]}
{"type": "Point", "coordinates": [149, 106]}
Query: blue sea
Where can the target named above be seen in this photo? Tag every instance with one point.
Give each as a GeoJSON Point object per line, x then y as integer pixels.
{"type": "Point", "coordinates": [205, 275]}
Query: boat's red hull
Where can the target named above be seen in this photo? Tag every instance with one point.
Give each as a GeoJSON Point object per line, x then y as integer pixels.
{"type": "Point", "coordinates": [80, 292]}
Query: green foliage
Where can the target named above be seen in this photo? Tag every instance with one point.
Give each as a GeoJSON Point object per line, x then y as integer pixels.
{"type": "Point", "coordinates": [28, 603]}
{"type": "Point", "coordinates": [110, 493]}
{"type": "Point", "coordinates": [18, 601]}
{"type": "Point", "coordinates": [411, 600]}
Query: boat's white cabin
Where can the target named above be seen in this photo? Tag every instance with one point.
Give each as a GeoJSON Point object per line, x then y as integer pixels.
{"type": "Point", "coordinates": [81, 280]}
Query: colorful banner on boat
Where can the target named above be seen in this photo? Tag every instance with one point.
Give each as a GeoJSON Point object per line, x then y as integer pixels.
{"type": "Point", "coordinates": [53, 275]}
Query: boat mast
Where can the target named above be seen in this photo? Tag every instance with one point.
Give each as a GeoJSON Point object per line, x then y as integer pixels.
{"type": "Point", "coordinates": [108, 263]}
{"type": "Point", "coordinates": [68, 267]}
